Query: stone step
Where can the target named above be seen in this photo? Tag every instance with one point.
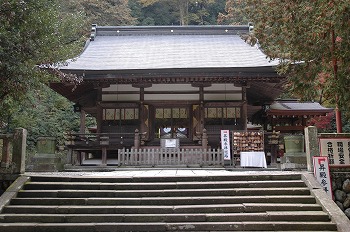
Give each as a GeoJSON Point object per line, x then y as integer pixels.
{"type": "Point", "coordinates": [164, 193]}
{"type": "Point", "coordinates": [307, 199]}
{"type": "Point", "coordinates": [162, 185]}
{"type": "Point", "coordinates": [145, 179]}
{"type": "Point", "coordinates": [174, 226]}
{"type": "Point", "coordinates": [303, 216]}
{"type": "Point", "coordinates": [180, 203]}
{"type": "Point", "coordinates": [164, 209]}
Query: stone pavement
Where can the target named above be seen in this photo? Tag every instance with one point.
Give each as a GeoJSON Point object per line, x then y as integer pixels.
{"type": "Point", "coordinates": [164, 172]}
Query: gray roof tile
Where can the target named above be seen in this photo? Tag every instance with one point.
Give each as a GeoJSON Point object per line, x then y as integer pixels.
{"type": "Point", "coordinates": [132, 51]}
{"type": "Point", "coordinates": [294, 105]}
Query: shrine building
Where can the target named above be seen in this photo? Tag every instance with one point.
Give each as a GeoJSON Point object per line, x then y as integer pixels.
{"type": "Point", "coordinates": [167, 82]}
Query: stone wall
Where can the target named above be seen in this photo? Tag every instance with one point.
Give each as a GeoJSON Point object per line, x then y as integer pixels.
{"type": "Point", "coordinates": [341, 188]}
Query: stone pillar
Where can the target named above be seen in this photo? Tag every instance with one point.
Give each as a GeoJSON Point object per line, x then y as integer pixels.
{"type": "Point", "coordinates": [137, 139]}
{"type": "Point", "coordinates": [104, 143]}
{"type": "Point", "coordinates": [5, 161]}
{"type": "Point", "coordinates": [311, 145]}
{"type": "Point", "coordinates": [204, 139]}
{"type": "Point", "coordinates": [19, 150]}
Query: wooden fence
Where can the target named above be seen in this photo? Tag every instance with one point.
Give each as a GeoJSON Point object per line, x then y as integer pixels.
{"type": "Point", "coordinates": [164, 157]}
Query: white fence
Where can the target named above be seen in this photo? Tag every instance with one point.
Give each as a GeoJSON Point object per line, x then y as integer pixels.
{"type": "Point", "coordinates": [160, 157]}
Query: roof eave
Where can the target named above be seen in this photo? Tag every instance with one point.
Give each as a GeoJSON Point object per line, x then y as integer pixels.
{"type": "Point", "coordinates": [298, 112]}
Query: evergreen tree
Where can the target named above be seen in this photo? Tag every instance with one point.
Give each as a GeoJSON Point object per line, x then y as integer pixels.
{"type": "Point", "coordinates": [32, 33]}
{"type": "Point", "coordinates": [105, 13]}
{"type": "Point", "coordinates": [188, 12]}
{"type": "Point", "coordinates": [35, 33]}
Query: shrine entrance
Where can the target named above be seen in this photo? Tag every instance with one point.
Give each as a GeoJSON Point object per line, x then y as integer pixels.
{"type": "Point", "coordinates": [172, 122]}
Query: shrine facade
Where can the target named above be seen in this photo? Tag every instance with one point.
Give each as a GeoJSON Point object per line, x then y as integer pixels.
{"type": "Point", "coordinates": [168, 82]}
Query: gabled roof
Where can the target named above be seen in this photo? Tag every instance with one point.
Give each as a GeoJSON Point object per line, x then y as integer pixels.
{"type": "Point", "coordinates": [172, 54]}
{"type": "Point", "coordinates": [294, 107]}
{"type": "Point", "coordinates": [171, 49]}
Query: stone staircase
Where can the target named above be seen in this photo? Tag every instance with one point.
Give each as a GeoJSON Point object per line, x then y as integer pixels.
{"type": "Point", "coordinates": [178, 203]}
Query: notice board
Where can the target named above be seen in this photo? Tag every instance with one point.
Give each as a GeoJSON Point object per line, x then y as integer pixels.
{"type": "Point", "coordinates": [336, 149]}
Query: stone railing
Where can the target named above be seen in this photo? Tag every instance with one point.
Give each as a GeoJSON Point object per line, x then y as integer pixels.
{"type": "Point", "coordinates": [13, 151]}
{"type": "Point", "coordinates": [13, 160]}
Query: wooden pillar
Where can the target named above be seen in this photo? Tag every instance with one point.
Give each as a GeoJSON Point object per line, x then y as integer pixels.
{"type": "Point", "coordinates": [99, 116]}
{"type": "Point", "coordinates": [142, 115]}
{"type": "Point", "coordinates": [145, 121]}
{"type": "Point", "coordinates": [244, 108]}
{"type": "Point", "coordinates": [202, 113]}
{"type": "Point", "coordinates": [82, 121]}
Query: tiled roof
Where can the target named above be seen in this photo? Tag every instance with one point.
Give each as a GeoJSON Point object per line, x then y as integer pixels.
{"type": "Point", "coordinates": [297, 106]}
{"type": "Point", "coordinates": [293, 106]}
{"type": "Point", "coordinates": [143, 48]}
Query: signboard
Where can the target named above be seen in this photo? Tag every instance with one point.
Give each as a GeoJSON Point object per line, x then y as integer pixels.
{"type": "Point", "coordinates": [321, 172]}
{"type": "Point", "coordinates": [225, 144]}
{"type": "Point", "coordinates": [336, 149]}
{"type": "Point", "coordinates": [169, 143]}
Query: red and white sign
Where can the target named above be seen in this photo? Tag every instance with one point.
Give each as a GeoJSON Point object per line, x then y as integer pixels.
{"type": "Point", "coordinates": [225, 144]}
{"type": "Point", "coordinates": [321, 172]}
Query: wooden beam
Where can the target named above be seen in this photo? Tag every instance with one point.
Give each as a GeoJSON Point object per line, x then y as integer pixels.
{"type": "Point", "coordinates": [201, 84]}
{"type": "Point", "coordinates": [142, 85]}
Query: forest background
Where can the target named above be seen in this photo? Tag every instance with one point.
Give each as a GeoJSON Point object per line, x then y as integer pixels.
{"type": "Point", "coordinates": [47, 31]}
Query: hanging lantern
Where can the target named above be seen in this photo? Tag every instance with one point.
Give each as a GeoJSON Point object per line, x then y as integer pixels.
{"type": "Point", "coordinates": [77, 107]}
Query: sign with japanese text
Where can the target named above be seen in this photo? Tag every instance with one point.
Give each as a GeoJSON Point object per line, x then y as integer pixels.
{"type": "Point", "coordinates": [225, 144]}
{"type": "Point", "coordinates": [321, 172]}
{"type": "Point", "coordinates": [336, 149]}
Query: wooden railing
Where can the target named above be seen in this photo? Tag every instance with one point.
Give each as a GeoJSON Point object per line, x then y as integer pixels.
{"type": "Point", "coordinates": [159, 157]}
{"type": "Point", "coordinates": [96, 140]}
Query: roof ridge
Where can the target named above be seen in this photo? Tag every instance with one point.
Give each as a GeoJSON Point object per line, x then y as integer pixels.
{"type": "Point", "coordinates": [169, 30]}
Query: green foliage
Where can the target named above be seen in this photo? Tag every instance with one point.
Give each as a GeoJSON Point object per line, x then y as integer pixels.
{"type": "Point", "coordinates": [312, 39]}
{"type": "Point", "coordinates": [32, 33]}
{"type": "Point", "coordinates": [159, 13]}
{"type": "Point", "coordinates": [106, 13]}
{"type": "Point", "coordinates": [235, 13]}
{"type": "Point", "coordinates": [45, 113]}
{"type": "Point", "coordinates": [177, 12]}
